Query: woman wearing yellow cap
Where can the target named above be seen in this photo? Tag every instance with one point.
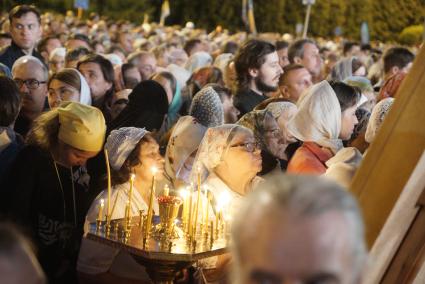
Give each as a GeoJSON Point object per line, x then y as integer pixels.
{"type": "Point", "coordinates": [47, 190]}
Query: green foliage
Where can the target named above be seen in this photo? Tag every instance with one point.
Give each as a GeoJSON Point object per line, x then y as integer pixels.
{"type": "Point", "coordinates": [412, 35]}
{"type": "Point", "coordinates": [386, 18]}
{"type": "Point", "coordinates": [390, 17]}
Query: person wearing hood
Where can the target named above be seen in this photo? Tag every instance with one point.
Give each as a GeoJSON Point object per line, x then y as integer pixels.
{"type": "Point", "coordinates": [146, 108]}
{"type": "Point", "coordinates": [68, 85]}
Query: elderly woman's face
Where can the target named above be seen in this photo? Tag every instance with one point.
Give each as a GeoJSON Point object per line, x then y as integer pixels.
{"type": "Point", "coordinates": [273, 138]}
{"type": "Point", "coordinates": [243, 155]}
{"type": "Point", "coordinates": [149, 157]}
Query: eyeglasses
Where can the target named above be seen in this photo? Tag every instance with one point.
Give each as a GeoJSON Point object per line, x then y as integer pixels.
{"type": "Point", "coordinates": [30, 83]}
{"type": "Point", "coordinates": [249, 146]}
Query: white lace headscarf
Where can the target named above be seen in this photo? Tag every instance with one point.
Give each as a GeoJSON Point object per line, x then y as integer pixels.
{"type": "Point", "coordinates": [213, 148]}
{"type": "Point", "coordinates": [377, 117]}
{"type": "Point", "coordinates": [207, 108]}
{"type": "Point", "coordinates": [279, 108]}
{"type": "Point", "coordinates": [121, 142]}
{"type": "Point", "coordinates": [185, 139]}
{"type": "Point", "coordinates": [318, 118]}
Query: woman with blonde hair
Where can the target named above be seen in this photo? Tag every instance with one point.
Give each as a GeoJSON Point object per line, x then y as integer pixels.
{"type": "Point", "coordinates": [47, 188]}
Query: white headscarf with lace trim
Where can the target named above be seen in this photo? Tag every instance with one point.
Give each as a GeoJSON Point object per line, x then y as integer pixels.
{"type": "Point", "coordinates": [318, 118]}
{"type": "Point", "coordinates": [185, 139]}
{"type": "Point", "coordinates": [377, 117]}
{"type": "Point", "coordinates": [213, 148]}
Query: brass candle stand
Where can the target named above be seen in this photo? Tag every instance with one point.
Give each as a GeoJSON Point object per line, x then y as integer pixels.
{"type": "Point", "coordinates": [166, 246]}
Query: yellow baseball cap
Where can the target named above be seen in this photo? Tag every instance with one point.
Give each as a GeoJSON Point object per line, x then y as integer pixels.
{"type": "Point", "coordinates": [81, 126]}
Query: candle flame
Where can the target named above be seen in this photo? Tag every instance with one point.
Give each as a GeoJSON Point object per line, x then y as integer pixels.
{"type": "Point", "coordinates": [224, 199]}
{"type": "Point", "coordinates": [184, 193]}
{"type": "Point", "coordinates": [102, 202]}
{"type": "Point", "coordinates": [132, 176]}
{"type": "Point", "coordinates": [154, 170]}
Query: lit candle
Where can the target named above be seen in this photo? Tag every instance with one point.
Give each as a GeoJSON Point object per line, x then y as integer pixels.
{"type": "Point", "coordinates": [212, 232]}
{"type": "Point", "coordinates": [217, 219]}
{"type": "Point", "coordinates": [108, 170]}
{"type": "Point", "coordinates": [166, 190]}
{"type": "Point", "coordinates": [207, 209]}
{"type": "Point", "coordinates": [100, 214]}
{"type": "Point", "coordinates": [189, 224]}
{"type": "Point", "coordinates": [127, 211]}
{"type": "Point", "coordinates": [198, 201]}
{"type": "Point", "coordinates": [130, 195]}
{"type": "Point", "coordinates": [223, 201]}
{"type": "Point", "coordinates": [150, 208]}
{"type": "Point", "coordinates": [184, 196]}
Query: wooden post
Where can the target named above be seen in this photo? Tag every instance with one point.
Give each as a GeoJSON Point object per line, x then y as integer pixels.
{"type": "Point", "coordinates": [394, 153]}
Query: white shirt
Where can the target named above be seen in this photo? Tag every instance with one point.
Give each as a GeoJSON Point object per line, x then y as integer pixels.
{"type": "Point", "coordinates": [96, 258]}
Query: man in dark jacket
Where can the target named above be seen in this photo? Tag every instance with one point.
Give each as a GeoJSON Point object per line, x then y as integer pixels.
{"type": "Point", "coordinates": [25, 30]}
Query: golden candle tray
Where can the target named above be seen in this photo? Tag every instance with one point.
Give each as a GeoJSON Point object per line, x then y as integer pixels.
{"type": "Point", "coordinates": [162, 257]}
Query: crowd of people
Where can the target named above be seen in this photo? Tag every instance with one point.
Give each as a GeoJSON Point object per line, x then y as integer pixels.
{"type": "Point", "coordinates": [278, 124]}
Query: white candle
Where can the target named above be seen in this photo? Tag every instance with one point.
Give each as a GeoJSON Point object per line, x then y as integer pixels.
{"type": "Point", "coordinates": [130, 195]}
{"type": "Point", "coordinates": [100, 214]}
{"type": "Point", "coordinates": [108, 170]}
{"type": "Point", "coordinates": [150, 208]}
{"type": "Point", "coordinates": [166, 190]}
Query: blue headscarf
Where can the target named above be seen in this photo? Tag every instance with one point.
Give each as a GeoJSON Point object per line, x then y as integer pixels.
{"type": "Point", "coordinates": [175, 106]}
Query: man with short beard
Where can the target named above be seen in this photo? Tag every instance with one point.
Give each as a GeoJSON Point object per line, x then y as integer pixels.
{"type": "Point", "coordinates": [257, 73]}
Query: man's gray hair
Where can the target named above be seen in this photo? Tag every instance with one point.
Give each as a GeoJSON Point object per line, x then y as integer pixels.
{"type": "Point", "coordinates": [296, 49]}
{"type": "Point", "coordinates": [29, 58]}
{"type": "Point", "coordinates": [300, 196]}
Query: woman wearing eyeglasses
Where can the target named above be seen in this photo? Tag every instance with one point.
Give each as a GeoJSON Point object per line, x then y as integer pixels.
{"type": "Point", "coordinates": [68, 85]}
{"type": "Point", "coordinates": [270, 138]}
{"type": "Point", "coordinates": [230, 158]}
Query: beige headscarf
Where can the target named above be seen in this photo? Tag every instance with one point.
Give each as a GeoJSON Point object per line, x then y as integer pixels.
{"type": "Point", "coordinates": [318, 118]}
{"type": "Point", "coordinates": [342, 69]}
